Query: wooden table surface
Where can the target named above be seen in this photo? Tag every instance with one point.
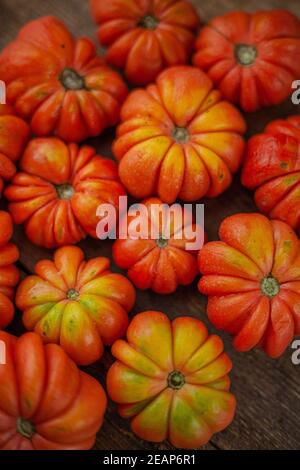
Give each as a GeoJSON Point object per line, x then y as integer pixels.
{"type": "Point", "coordinates": [267, 391]}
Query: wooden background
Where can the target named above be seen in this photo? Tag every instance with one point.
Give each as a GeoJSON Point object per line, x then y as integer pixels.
{"type": "Point", "coordinates": [267, 391]}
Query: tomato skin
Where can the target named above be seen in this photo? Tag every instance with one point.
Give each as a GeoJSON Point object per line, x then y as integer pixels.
{"type": "Point", "coordinates": [272, 169]}
{"type": "Point", "coordinates": [42, 385]}
{"type": "Point", "coordinates": [58, 190]}
{"type": "Point", "coordinates": [252, 279]}
{"type": "Point", "coordinates": [14, 134]}
{"type": "Point", "coordinates": [142, 50]}
{"type": "Point", "coordinates": [151, 266]}
{"type": "Point", "coordinates": [178, 139]}
{"type": "Point", "coordinates": [9, 274]}
{"type": "Point", "coordinates": [170, 373]}
{"type": "Point", "coordinates": [59, 84]}
{"type": "Point", "coordinates": [252, 58]}
{"type": "Point", "coordinates": [78, 304]}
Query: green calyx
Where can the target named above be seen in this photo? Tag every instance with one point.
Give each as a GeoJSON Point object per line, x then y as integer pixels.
{"type": "Point", "coordinates": [176, 380]}
{"type": "Point", "coordinates": [25, 428]}
{"type": "Point", "coordinates": [72, 294]}
{"type": "Point", "coordinates": [270, 286]}
{"type": "Point", "coordinates": [245, 54]}
{"type": "Point", "coordinates": [71, 80]}
{"type": "Point", "coordinates": [64, 191]}
{"type": "Point", "coordinates": [180, 135]}
{"type": "Point", "coordinates": [149, 22]}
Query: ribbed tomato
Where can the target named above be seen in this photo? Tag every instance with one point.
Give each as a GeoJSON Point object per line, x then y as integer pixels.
{"type": "Point", "coordinates": [9, 274]}
{"type": "Point", "coordinates": [14, 133]}
{"type": "Point", "coordinates": [171, 380]}
{"type": "Point", "coordinates": [166, 261]}
{"type": "Point", "coordinates": [59, 84]}
{"type": "Point", "coordinates": [252, 278]}
{"type": "Point", "coordinates": [178, 138]}
{"type": "Point", "coordinates": [272, 168]}
{"type": "Point", "coordinates": [59, 189]}
{"type": "Point", "coordinates": [252, 57]}
{"type": "Point", "coordinates": [46, 403]}
{"type": "Point", "coordinates": [78, 304]}
{"type": "Point", "coordinates": [145, 36]}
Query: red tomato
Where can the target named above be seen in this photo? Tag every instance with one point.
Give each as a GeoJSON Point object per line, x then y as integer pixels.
{"type": "Point", "coordinates": [252, 278]}
{"type": "Point", "coordinates": [14, 133]}
{"type": "Point", "coordinates": [170, 379]}
{"type": "Point", "coordinates": [163, 263]}
{"type": "Point", "coordinates": [145, 36]}
{"type": "Point", "coordinates": [272, 168]}
{"type": "Point", "coordinates": [252, 58]}
{"type": "Point", "coordinates": [46, 403]}
{"type": "Point", "coordinates": [9, 274]}
{"type": "Point", "coordinates": [59, 189]}
{"type": "Point", "coordinates": [59, 84]}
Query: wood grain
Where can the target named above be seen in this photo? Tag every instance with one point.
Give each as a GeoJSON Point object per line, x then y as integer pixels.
{"type": "Point", "coordinates": [267, 391]}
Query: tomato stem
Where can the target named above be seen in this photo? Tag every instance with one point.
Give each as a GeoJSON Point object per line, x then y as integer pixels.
{"type": "Point", "coordinates": [149, 22]}
{"type": "Point", "coordinates": [64, 191]}
{"type": "Point", "coordinates": [176, 380]}
{"type": "Point", "coordinates": [25, 428]}
{"type": "Point", "coordinates": [245, 54]}
{"type": "Point", "coordinates": [162, 242]}
{"type": "Point", "coordinates": [270, 286]}
{"type": "Point", "coordinates": [180, 135]}
{"type": "Point", "coordinates": [71, 80]}
{"type": "Point", "coordinates": [72, 294]}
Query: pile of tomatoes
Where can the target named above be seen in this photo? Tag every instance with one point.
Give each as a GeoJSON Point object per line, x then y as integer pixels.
{"type": "Point", "coordinates": [180, 137]}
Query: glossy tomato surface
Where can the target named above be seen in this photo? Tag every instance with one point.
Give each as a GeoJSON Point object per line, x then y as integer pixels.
{"type": "Point", "coordinates": [143, 37]}
{"type": "Point", "coordinates": [253, 58]}
{"type": "Point", "coordinates": [46, 403]}
{"type": "Point", "coordinates": [170, 379]}
{"type": "Point", "coordinates": [59, 83]}
{"type": "Point", "coordinates": [78, 304]}
{"type": "Point", "coordinates": [178, 138]}
{"type": "Point", "coordinates": [252, 278]}
{"type": "Point", "coordinates": [58, 190]}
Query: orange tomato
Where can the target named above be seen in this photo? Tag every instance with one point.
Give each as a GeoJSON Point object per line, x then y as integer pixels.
{"type": "Point", "coordinates": [46, 403]}
{"type": "Point", "coordinates": [144, 37]}
{"type": "Point", "coordinates": [252, 278]}
{"type": "Point", "coordinates": [59, 83]}
{"type": "Point", "coordinates": [9, 274]}
{"type": "Point", "coordinates": [171, 380]}
{"type": "Point", "coordinates": [78, 304]}
{"type": "Point", "coordinates": [178, 138]}
{"type": "Point", "coordinates": [58, 191]}
{"type": "Point", "coordinates": [163, 263]}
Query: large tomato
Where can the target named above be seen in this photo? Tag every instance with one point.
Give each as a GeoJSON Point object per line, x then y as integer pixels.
{"type": "Point", "coordinates": [78, 304]}
{"type": "Point", "coordinates": [272, 168]}
{"type": "Point", "coordinates": [252, 278]}
{"type": "Point", "coordinates": [14, 133]}
{"type": "Point", "coordinates": [171, 380]}
{"type": "Point", "coordinates": [46, 403]}
{"type": "Point", "coordinates": [145, 36]}
{"type": "Point", "coordinates": [160, 259]}
{"type": "Point", "coordinates": [178, 138]}
{"type": "Point", "coordinates": [9, 274]}
{"type": "Point", "coordinates": [59, 83]}
{"type": "Point", "coordinates": [59, 189]}
{"type": "Point", "coordinates": [252, 58]}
